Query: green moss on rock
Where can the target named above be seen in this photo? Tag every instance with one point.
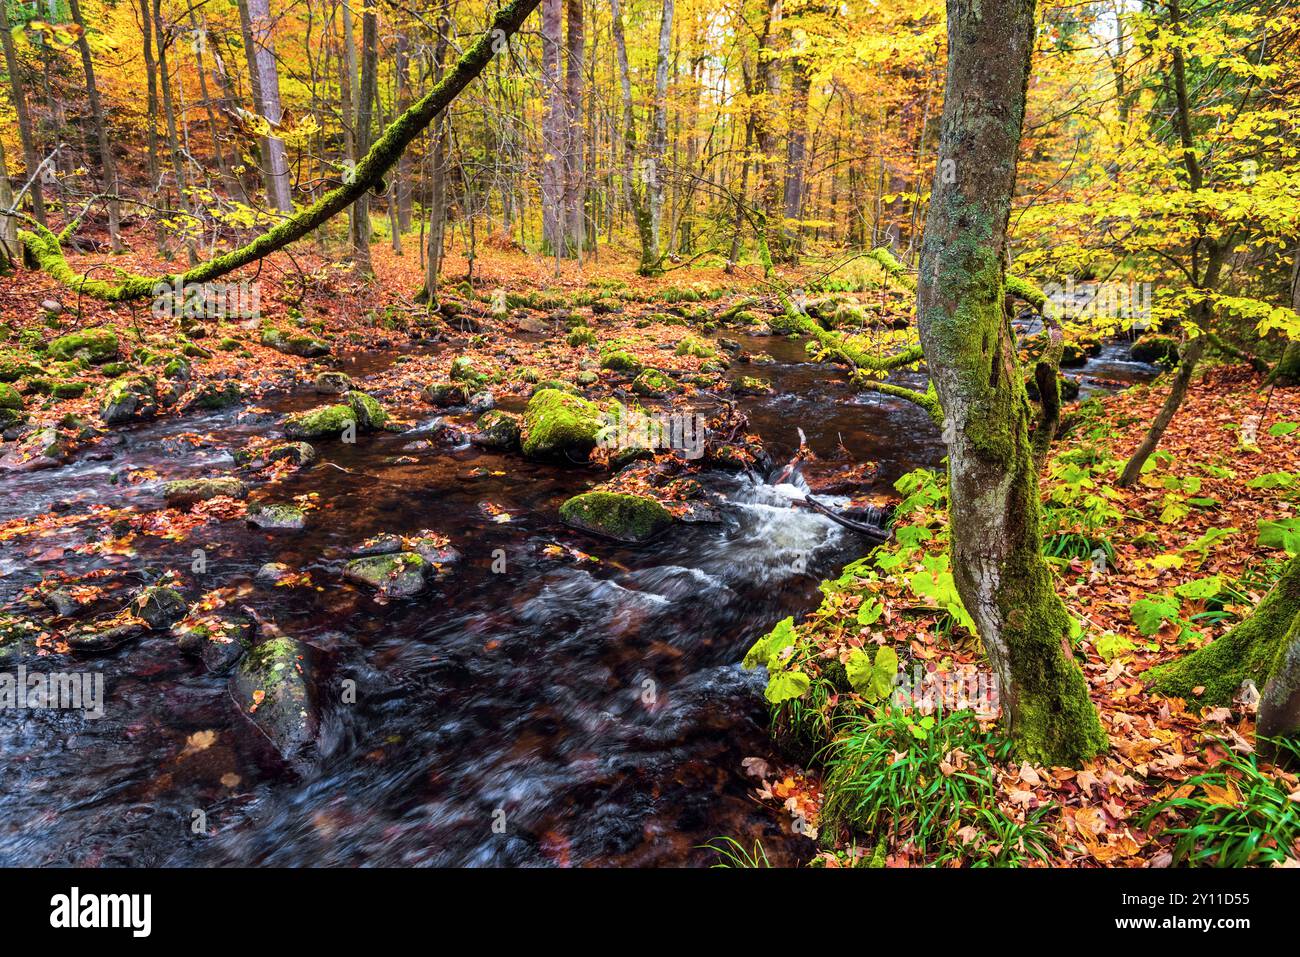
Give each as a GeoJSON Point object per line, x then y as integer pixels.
{"type": "Point", "coordinates": [186, 493]}
{"type": "Point", "coordinates": [625, 518]}
{"type": "Point", "coordinates": [557, 423]}
{"type": "Point", "coordinates": [94, 345]}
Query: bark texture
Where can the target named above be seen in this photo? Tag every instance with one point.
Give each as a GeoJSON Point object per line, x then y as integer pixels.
{"type": "Point", "coordinates": [971, 355]}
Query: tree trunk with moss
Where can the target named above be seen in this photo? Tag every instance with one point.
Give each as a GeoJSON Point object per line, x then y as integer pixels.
{"type": "Point", "coordinates": [970, 352]}
{"type": "Point", "coordinates": [1250, 651]}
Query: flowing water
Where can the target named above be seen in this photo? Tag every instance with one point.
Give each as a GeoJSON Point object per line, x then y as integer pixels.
{"type": "Point", "coordinates": [562, 711]}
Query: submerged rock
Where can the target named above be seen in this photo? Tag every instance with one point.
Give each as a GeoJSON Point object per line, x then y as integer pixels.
{"type": "Point", "coordinates": [556, 423]}
{"type": "Point", "coordinates": [43, 449]}
{"type": "Point", "coordinates": [186, 493]}
{"type": "Point", "coordinates": [394, 575]}
{"type": "Point", "coordinates": [616, 515]}
{"type": "Point", "coordinates": [93, 640]}
{"type": "Point", "coordinates": [271, 688]}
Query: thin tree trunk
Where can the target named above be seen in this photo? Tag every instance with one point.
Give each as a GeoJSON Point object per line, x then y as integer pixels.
{"type": "Point", "coordinates": [108, 168]}
{"type": "Point", "coordinates": [654, 171]}
{"type": "Point", "coordinates": [553, 132]}
{"type": "Point", "coordinates": [173, 139]}
{"type": "Point", "coordinates": [575, 182]}
{"type": "Point", "coordinates": [26, 137]}
{"type": "Point", "coordinates": [361, 266]}
{"type": "Point", "coordinates": [970, 351]}
{"type": "Point", "coordinates": [265, 78]}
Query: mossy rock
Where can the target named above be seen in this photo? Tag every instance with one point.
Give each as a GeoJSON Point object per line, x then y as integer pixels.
{"type": "Point", "coordinates": [1155, 348]}
{"type": "Point", "coordinates": [556, 423]}
{"type": "Point", "coordinates": [69, 390]}
{"type": "Point", "coordinates": [332, 383]}
{"type": "Point", "coordinates": [463, 371]}
{"type": "Point", "coordinates": [271, 687]}
{"type": "Point", "coordinates": [370, 415]}
{"type": "Point", "coordinates": [96, 346]}
{"type": "Point", "coordinates": [299, 453]}
{"type": "Point", "coordinates": [396, 575]}
{"type": "Point", "coordinates": [749, 385]}
{"type": "Point", "coordinates": [446, 394]}
{"type": "Point", "coordinates": [581, 336]}
{"type": "Point", "coordinates": [620, 360]}
{"type": "Point", "coordinates": [622, 517]}
{"type": "Point", "coordinates": [329, 421]}
{"type": "Point", "coordinates": [497, 430]}
{"type": "Point", "coordinates": [159, 605]}
{"type": "Point", "coordinates": [15, 366]}
{"type": "Point", "coordinates": [129, 399]}
{"type": "Point", "coordinates": [111, 370]}
{"type": "Point", "coordinates": [229, 345]}
{"type": "Point", "coordinates": [213, 396]}
{"type": "Point", "coordinates": [186, 493]}
{"type": "Point", "coordinates": [691, 346]}
{"type": "Point", "coordinates": [558, 384]}
{"type": "Point", "coordinates": [587, 377]}
{"type": "Point", "coordinates": [606, 305]}
{"type": "Point", "coordinates": [786, 324]}
{"type": "Point", "coordinates": [294, 343]}
{"type": "Point", "coordinates": [11, 418]}
{"type": "Point", "coordinates": [9, 397]}
{"type": "Point", "coordinates": [652, 382]}
{"type": "Point", "coordinates": [276, 516]}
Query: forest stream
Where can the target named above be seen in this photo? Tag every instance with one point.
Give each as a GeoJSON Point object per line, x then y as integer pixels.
{"type": "Point", "coordinates": [574, 711]}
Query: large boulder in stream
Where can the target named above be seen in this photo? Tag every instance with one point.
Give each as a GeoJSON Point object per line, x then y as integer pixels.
{"type": "Point", "coordinates": [556, 423]}
{"type": "Point", "coordinates": [272, 689]}
{"type": "Point", "coordinates": [616, 515]}
{"type": "Point", "coordinates": [1155, 348]}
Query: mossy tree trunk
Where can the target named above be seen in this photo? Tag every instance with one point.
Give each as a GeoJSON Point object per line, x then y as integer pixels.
{"type": "Point", "coordinates": [43, 246]}
{"type": "Point", "coordinates": [971, 355]}
{"type": "Point", "coordinates": [1252, 650]}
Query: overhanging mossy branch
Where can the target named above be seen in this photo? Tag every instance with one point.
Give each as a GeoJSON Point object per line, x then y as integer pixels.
{"type": "Point", "coordinates": [43, 246]}
{"type": "Point", "coordinates": [866, 365]}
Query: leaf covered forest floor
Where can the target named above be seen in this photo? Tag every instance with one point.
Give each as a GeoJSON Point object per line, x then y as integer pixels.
{"type": "Point", "coordinates": [1148, 573]}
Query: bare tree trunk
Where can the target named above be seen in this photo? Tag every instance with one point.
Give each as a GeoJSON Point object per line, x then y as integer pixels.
{"type": "Point", "coordinates": [633, 193]}
{"type": "Point", "coordinates": [173, 140]}
{"type": "Point", "coordinates": [233, 186]}
{"type": "Point", "coordinates": [260, 51]}
{"type": "Point", "coordinates": [108, 168]}
{"type": "Point", "coordinates": [402, 193]}
{"type": "Point", "coordinates": [575, 182]}
{"type": "Point", "coordinates": [31, 156]}
{"type": "Point", "coordinates": [554, 136]}
{"type": "Point", "coordinates": [796, 158]}
{"type": "Point", "coordinates": [654, 169]}
{"type": "Point", "coordinates": [10, 250]}
{"type": "Point", "coordinates": [361, 265]}
{"type": "Point", "coordinates": [437, 179]}
{"type": "Point", "coordinates": [970, 351]}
